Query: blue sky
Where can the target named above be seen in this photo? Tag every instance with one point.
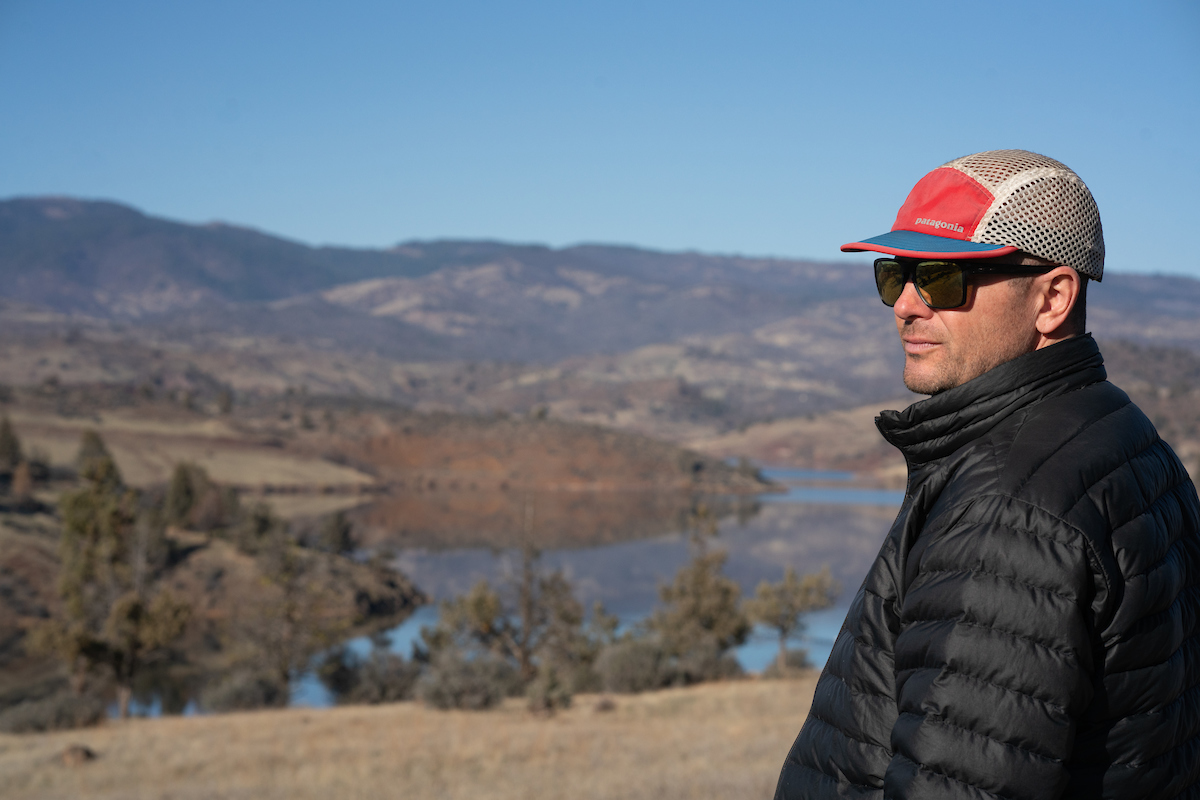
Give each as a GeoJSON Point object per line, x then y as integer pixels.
{"type": "Point", "coordinates": [769, 128]}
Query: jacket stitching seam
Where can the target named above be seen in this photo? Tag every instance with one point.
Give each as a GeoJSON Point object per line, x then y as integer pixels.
{"type": "Point", "coordinates": [1137, 479]}
{"type": "Point", "coordinates": [859, 692]}
{"type": "Point", "coordinates": [1148, 714]}
{"type": "Point", "coordinates": [1073, 437]}
{"type": "Point", "coordinates": [1178, 652]}
{"type": "Point", "coordinates": [1085, 543]}
{"type": "Point", "coordinates": [846, 733]}
{"type": "Point", "coordinates": [877, 594]}
{"type": "Point", "coordinates": [939, 773]}
{"type": "Point", "coordinates": [802, 765]}
{"type": "Point", "coordinates": [880, 648]}
{"type": "Point", "coordinates": [1068, 653]}
{"type": "Point", "coordinates": [1141, 764]}
{"type": "Point", "coordinates": [1017, 528]}
{"type": "Point", "coordinates": [1008, 578]}
{"type": "Point", "coordinates": [1169, 550]}
{"type": "Point", "coordinates": [940, 720]}
{"type": "Point", "coordinates": [1132, 630]}
{"type": "Point", "coordinates": [986, 682]}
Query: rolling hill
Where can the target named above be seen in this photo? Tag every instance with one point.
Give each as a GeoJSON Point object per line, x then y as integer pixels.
{"type": "Point", "coordinates": [677, 345]}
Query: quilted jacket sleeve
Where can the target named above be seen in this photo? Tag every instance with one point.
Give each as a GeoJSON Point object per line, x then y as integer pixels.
{"type": "Point", "coordinates": [994, 656]}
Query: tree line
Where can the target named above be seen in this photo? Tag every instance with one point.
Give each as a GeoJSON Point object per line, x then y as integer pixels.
{"type": "Point", "coordinates": [526, 635]}
{"type": "Point", "coordinates": [20, 470]}
{"type": "Point", "coordinates": [530, 636]}
{"type": "Point", "coordinates": [120, 622]}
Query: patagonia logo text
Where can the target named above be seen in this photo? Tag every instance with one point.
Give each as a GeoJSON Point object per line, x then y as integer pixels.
{"type": "Point", "coordinates": [937, 223]}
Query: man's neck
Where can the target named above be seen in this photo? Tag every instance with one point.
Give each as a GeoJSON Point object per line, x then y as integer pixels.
{"type": "Point", "coordinates": [1047, 340]}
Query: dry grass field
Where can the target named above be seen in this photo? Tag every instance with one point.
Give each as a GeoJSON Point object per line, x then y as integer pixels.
{"type": "Point", "coordinates": [837, 440]}
{"type": "Point", "coordinates": [723, 740]}
{"type": "Point", "coordinates": [147, 446]}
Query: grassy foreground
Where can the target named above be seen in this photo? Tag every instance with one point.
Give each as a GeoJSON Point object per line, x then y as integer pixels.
{"type": "Point", "coordinates": [723, 740]}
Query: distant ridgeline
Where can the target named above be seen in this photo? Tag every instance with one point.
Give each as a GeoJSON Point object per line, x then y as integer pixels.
{"type": "Point", "coordinates": [679, 345]}
{"type": "Point", "coordinates": [475, 299]}
{"type": "Point", "coordinates": [527, 302]}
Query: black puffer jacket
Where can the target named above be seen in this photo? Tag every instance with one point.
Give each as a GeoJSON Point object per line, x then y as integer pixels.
{"type": "Point", "coordinates": [1031, 627]}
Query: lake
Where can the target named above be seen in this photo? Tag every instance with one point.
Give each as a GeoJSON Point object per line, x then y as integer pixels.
{"type": "Point", "coordinates": [817, 522]}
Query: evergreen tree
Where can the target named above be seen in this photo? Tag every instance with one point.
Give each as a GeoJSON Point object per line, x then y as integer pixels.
{"type": "Point", "coordinates": [298, 617]}
{"type": "Point", "coordinates": [782, 606]}
{"type": "Point", "coordinates": [91, 450]}
{"type": "Point", "coordinates": [22, 487]}
{"type": "Point", "coordinates": [194, 501]}
{"type": "Point", "coordinates": [188, 486]}
{"type": "Point", "coordinates": [257, 528]}
{"type": "Point", "coordinates": [536, 624]}
{"type": "Point", "coordinates": [336, 534]}
{"type": "Point", "coordinates": [701, 611]}
{"type": "Point", "coordinates": [112, 614]}
{"type": "Point", "coordinates": [10, 447]}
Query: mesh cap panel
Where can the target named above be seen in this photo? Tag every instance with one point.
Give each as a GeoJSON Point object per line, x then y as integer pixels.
{"type": "Point", "coordinates": [996, 166]}
{"type": "Point", "coordinates": [1040, 206]}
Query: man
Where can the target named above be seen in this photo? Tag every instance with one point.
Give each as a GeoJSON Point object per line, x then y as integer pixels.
{"type": "Point", "coordinates": [1031, 626]}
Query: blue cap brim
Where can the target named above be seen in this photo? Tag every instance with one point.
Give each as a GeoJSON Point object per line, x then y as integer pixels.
{"type": "Point", "coordinates": [925, 245]}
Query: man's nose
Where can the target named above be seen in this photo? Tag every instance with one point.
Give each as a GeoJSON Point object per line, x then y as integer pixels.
{"type": "Point", "coordinates": [910, 305]}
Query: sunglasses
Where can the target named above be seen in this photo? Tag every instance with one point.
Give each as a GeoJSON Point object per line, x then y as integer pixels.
{"type": "Point", "coordinates": [941, 284]}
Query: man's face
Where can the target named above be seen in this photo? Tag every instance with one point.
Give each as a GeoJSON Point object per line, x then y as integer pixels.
{"type": "Point", "coordinates": [946, 348]}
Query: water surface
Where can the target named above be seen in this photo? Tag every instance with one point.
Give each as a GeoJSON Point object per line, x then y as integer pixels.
{"type": "Point", "coordinates": [808, 527]}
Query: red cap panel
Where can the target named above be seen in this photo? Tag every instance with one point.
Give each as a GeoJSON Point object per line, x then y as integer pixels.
{"type": "Point", "coordinates": [946, 203]}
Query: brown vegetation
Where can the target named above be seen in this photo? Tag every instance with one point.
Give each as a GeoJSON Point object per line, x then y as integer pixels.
{"type": "Point", "coordinates": [724, 740]}
{"type": "Point", "coordinates": [298, 443]}
{"type": "Point", "coordinates": [28, 570]}
{"type": "Point", "coordinates": [782, 606]}
{"type": "Point", "coordinates": [453, 518]}
{"type": "Point", "coordinates": [450, 451]}
{"type": "Point", "coordinates": [232, 595]}
{"type": "Point", "coordinates": [839, 440]}
{"type": "Point", "coordinates": [1163, 381]}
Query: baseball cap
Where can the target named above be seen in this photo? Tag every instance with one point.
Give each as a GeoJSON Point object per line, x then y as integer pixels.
{"type": "Point", "coordinates": [995, 203]}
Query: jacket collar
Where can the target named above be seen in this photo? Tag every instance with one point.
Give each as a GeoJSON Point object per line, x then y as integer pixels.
{"type": "Point", "coordinates": [933, 428]}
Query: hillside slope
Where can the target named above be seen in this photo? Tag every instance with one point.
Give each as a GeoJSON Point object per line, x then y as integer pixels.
{"type": "Point", "coordinates": [723, 740]}
{"type": "Point", "coordinates": [674, 345]}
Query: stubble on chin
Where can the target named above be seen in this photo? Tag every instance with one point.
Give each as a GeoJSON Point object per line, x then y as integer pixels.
{"type": "Point", "coordinates": [933, 374]}
{"type": "Point", "coordinates": [928, 378]}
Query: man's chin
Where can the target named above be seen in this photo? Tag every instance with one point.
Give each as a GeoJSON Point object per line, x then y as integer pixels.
{"type": "Point", "coordinates": [927, 382]}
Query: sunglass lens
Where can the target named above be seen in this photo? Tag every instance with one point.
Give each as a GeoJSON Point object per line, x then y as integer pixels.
{"type": "Point", "coordinates": [889, 280]}
{"type": "Point", "coordinates": [940, 283]}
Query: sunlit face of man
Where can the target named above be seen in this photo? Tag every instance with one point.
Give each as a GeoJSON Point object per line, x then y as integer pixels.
{"type": "Point", "coordinates": [948, 347]}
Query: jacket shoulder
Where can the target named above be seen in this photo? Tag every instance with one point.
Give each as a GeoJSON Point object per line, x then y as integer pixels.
{"type": "Point", "coordinates": [1057, 450]}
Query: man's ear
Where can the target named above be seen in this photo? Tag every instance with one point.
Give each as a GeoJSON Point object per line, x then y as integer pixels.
{"type": "Point", "coordinates": [1056, 293]}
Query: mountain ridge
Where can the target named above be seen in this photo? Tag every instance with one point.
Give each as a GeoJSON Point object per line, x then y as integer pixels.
{"type": "Point", "coordinates": [453, 300]}
{"type": "Point", "coordinates": [678, 345]}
